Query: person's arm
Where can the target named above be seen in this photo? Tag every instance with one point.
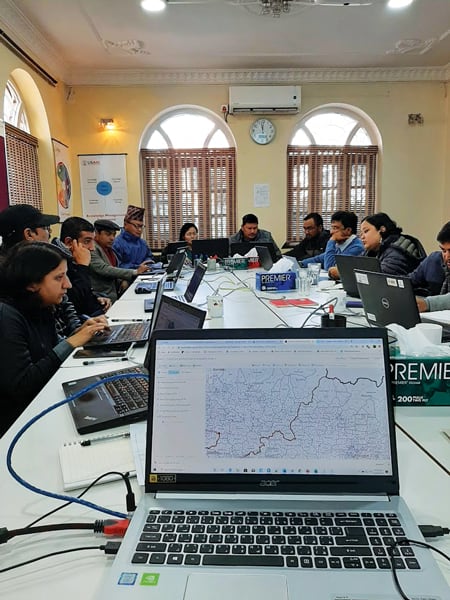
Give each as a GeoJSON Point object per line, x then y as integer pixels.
{"type": "Point", "coordinates": [319, 258]}
{"type": "Point", "coordinates": [394, 262]}
{"type": "Point", "coordinates": [431, 303]}
{"type": "Point", "coordinates": [106, 270]}
{"type": "Point", "coordinates": [329, 256]}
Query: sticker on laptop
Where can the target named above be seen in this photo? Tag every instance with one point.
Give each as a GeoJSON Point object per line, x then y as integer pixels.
{"type": "Point", "coordinates": [391, 281]}
{"type": "Point", "coordinates": [371, 317]}
{"type": "Point", "coordinates": [127, 578]}
{"type": "Point", "coordinates": [162, 478]}
{"type": "Point", "coordinates": [149, 579]}
{"type": "Point", "coordinates": [361, 278]}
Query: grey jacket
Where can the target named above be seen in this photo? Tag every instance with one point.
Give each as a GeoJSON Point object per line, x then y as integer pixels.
{"type": "Point", "coordinates": [441, 302]}
{"type": "Point", "coordinates": [105, 278]}
{"type": "Point", "coordinates": [262, 236]}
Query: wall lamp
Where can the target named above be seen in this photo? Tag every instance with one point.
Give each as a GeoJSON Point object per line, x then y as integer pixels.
{"type": "Point", "coordinates": [107, 124]}
{"type": "Point", "coordinates": [415, 119]}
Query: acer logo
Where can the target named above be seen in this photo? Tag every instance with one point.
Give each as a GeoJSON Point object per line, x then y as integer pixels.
{"type": "Point", "coordinates": [269, 482]}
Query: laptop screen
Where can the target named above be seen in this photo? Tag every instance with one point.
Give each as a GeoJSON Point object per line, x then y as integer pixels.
{"type": "Point", "coordinates": [289, 406]}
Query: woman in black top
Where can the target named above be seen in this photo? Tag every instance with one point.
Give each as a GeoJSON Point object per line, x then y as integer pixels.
{"type": "Point", "coordinates": [33, 283]}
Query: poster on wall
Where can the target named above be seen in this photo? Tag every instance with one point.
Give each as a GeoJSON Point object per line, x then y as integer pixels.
{"type": "Point", "coordinates": [63, 179]}
{"type": "Point", "coordinates": [103, 181]}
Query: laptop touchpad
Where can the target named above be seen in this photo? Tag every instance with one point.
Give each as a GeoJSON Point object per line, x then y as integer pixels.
{"type": "Point", "coordinates": [217, 586]}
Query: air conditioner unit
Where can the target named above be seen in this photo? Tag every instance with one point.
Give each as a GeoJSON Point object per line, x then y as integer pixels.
{"type": "Point", "coordinates": [264, 99]}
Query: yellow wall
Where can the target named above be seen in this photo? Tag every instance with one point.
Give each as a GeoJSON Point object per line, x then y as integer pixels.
{"type": "Point", "coordinates": [414, 181]}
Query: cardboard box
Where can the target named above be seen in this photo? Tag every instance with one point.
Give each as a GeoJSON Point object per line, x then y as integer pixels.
{"type": "Point", "coordinates": [420, 381]}
{"type": "Point", "coordinates": [276, 282]}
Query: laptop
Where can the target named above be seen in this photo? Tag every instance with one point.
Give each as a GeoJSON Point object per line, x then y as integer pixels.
{"type": "Point", "coordinates": [347, 264]}
{"type": "Point", "coordinates": [243, 247]}
{"type": "Point", "coordinates": [390, 299]}
{"type": "Point", "coordinates": [265, 258]}
{"type": "Point", "coordinates": [152, 304]}
{"type": "Point", "coordinates": [212, 247]}
{"type": "Point", "coordinates": [173, 272]}
{"type": "Point", "coordinates": [193, 285]}
{"type": "Point", "coordinates": [116, 403]}
{"type": "Point", "coordinates": [270, 462]}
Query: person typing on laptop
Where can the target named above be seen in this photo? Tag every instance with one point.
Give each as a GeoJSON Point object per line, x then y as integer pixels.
{"type": "Point", "coordinates": [33, 282]}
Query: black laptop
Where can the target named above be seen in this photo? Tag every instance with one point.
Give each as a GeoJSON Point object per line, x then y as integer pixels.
{"type": "Point", "coordinates": [212, 247]}
{"type": "Point", "coordinates": [113, 403]}
{"type": "Point", "coordinates": [173, 272]}
{"type": "Point", "coordinates": [243, 247]}
{"type": "Point", "coordinates": [193, 285]}
{"type": "Point", "coordinates": [264, 256]}
{"type": "Point", "coordinates": [347, 264]}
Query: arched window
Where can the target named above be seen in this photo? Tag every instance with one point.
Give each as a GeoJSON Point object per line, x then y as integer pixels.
{"type": "Point", "coordinates": [22, 164]}
{"type": "Point", "coordinates": [189, 174]}
{"type": "Point", "coordinates": [332, 161]}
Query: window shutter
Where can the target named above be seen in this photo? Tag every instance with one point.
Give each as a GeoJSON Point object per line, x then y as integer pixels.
{"type": "Point", "coordinates": [24, 182]}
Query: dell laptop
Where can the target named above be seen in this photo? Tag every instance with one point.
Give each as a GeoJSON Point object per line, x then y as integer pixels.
{"type": "Point", "coordinates": [271, 473]}
{"type": "Point", "coordinates": [347, 264]}
{"type": "Point", "coordinates": [111, 403]}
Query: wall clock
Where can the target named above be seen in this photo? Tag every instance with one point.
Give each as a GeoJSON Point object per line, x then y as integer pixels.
{"type": "Point", "coordinates": [262, 131]}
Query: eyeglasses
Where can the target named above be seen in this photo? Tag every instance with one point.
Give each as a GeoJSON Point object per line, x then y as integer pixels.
{"type": "Point", "coordinates": [136, 225]}
{"type": "Point", "coordinates": [336, 228]}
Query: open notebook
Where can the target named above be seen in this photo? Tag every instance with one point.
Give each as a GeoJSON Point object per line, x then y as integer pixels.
{"type": "Point", "coordinates": [270, 460]}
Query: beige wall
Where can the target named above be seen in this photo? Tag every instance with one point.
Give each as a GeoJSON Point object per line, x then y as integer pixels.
{"type": "Point", "coordinates": [414, 184]}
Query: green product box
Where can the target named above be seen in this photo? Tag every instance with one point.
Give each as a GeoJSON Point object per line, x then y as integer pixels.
{"type": "Point", "coordinates": [420, 381]}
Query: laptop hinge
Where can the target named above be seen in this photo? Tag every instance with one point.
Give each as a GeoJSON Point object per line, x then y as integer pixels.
{"type": "Point", "coordinates": [278, 497]}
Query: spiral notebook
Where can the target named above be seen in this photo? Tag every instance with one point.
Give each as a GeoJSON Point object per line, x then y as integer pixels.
{"type": "Point", "coordinates": [81, 464]}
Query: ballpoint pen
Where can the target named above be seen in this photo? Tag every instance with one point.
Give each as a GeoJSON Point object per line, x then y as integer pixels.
{"type": "Point", "coordinates": [105, 360]}
{"type": "Point", "coordinates": [105, 438]}
{"type": "Point", "coordinates": [129, 320]}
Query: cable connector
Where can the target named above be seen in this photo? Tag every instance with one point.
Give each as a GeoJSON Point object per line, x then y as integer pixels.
{"type": "Point", "coordinates": [432, 531]}
{"type": "Point", "coordinates": [111, 547]}
{"type": "Point", "coordinates": [112, 527]}
{"type": "Point", "coordinates": [4, 535]}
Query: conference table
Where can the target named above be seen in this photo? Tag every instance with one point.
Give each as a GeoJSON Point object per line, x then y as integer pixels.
{"type": "Point", "coordinates": [424, 484]}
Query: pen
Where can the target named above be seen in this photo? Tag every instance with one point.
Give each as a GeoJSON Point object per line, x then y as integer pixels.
{"type": "Point", "coordinates": [106, 360]}
{"type": "Point", "coordinates": [130, 320]}
{"type": "Point", "coordinates": [105, 438]}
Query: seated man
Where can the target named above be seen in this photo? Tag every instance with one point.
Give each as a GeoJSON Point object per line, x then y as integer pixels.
{"type": "Point", "coordinates": [23, 222]}
{"type": "Point", "coordinates": [442, 301]}
{"type": "Point", "coordinates": [343, 240]}
{"type": "Point", "coordinates": [131, 250]}
{"type": "Point", "coordinates": [250, 232]}
{"type": "Point", "coordinates": [77, 242]}
{"type": "Point", "coordinates": [429, 276]}
{"type": "Point", "coordinates": [315, 240]}
{"type": "Point", "coordinates": [107, 277]}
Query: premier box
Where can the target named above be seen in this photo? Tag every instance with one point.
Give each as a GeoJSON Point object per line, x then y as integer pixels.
{"type": "Point", "coordinates": [276, 282]}
{"type": "Point", "coordinates": [420, 381]}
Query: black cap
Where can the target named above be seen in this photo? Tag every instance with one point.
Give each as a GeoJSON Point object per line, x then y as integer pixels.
{"type": "Point", "coordinates": [106, 224]}
{"type": "Point", "coordinates": [20, 216]}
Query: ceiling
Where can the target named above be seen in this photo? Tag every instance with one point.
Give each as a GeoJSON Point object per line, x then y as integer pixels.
{"type": "Point", "coordinates": [100, 41]}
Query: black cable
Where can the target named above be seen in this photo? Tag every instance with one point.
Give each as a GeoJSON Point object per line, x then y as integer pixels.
{"type": "Point", "coordinates": [432, 531]}
{"type": "Point", "coordinates": [313, 312]}
{"type": "Point", "coordinates": [126, 479]}
{"type": "Point", "coordinates": [32, 560]}
{"type": "Point", "coordinates": [407, 542]}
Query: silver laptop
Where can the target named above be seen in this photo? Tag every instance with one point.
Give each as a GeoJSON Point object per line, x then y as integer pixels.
{"type": "Point", "coordinates": [271, 473]}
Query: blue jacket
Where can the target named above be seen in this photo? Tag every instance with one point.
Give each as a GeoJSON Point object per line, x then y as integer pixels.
{"type": "Point", "coordinates": [327, 259]}
{"type": "Point", "coordinates": [131, 250]}
{"type": "Point", "coordinates": [428, 278]}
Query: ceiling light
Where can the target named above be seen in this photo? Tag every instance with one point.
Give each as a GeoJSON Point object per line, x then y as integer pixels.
{"type": "Point", "coordinates": [399, 3]}
{"type": "Point", "coordinates": [153, 5]}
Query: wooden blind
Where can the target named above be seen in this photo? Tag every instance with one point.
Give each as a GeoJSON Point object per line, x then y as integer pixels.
{"type": "Point", "coordinates": [325, 179]}
{"type": "Point", "coordinates": [197, 185]}
{"type": "Point", "coordinates": [24, 183]}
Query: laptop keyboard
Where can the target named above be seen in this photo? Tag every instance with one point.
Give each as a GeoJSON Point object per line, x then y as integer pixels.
{"type": "Point", "coordinates": [128, 332]}
{"type": "Point", "coordinates": [340, 540]}
{"type": "Point", "coordinates": [128, 394]}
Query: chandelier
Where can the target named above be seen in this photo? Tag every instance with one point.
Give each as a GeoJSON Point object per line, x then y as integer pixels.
{"type": "Point", "coordinates": [275, 7]}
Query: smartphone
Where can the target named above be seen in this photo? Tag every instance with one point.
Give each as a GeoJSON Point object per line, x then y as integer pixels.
{"type": "Point", "coordinates": [101, 352]}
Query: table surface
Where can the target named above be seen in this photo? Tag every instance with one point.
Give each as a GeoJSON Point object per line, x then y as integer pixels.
{"type": "Point", "coordinates": [424, 485]}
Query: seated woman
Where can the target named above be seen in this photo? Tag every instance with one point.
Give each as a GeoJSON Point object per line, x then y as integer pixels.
{"type": "Point", "coordinates": [33, 282]}
{"type": "Point", "coordinates": [398, 253]}
{"type": "Point", "coordinates": [188, 233]}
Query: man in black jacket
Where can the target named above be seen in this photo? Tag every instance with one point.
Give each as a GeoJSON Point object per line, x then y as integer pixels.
{"type": "Point", "coordinates": [315, 240]}
{"type": "Point", "coordinates": [77, 242]}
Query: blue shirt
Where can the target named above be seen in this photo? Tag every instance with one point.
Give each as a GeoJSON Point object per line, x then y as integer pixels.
{"type": "Point", "coordinates": [131, 250]}
{"type": "Point", "coordinates": [352, 246]}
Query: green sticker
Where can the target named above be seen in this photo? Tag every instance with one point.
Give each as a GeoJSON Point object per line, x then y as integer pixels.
{"type": "Point", "coordinates": [149, 579]}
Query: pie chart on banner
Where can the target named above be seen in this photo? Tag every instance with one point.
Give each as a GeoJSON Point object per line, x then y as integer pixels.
{"type": "Point", "coordinates": [104, 188]}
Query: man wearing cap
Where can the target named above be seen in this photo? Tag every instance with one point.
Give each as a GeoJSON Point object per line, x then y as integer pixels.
{"type": "Point", "coordinates": [23, 222]}
{"type": "Point", "coordinates": [107, 277]}
{"type": "Point", "coordinates": [129, 247]}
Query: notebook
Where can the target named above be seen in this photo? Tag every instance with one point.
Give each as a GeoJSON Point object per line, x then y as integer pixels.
{"type": "Point", "coordinates": [123, 401]}
{"type": "Point", "coordinates": [203, 249]}
{"type": "Point", "coordinates": [194, 284]}
{"type": "Point", "coordinates": [243, 247]}
{"type": "Point", "coordinates": [256, 440]}
{"type": "Point", "coordinates": [173, 272]}
{"type": "Point", "coordinates": [347, 264]}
